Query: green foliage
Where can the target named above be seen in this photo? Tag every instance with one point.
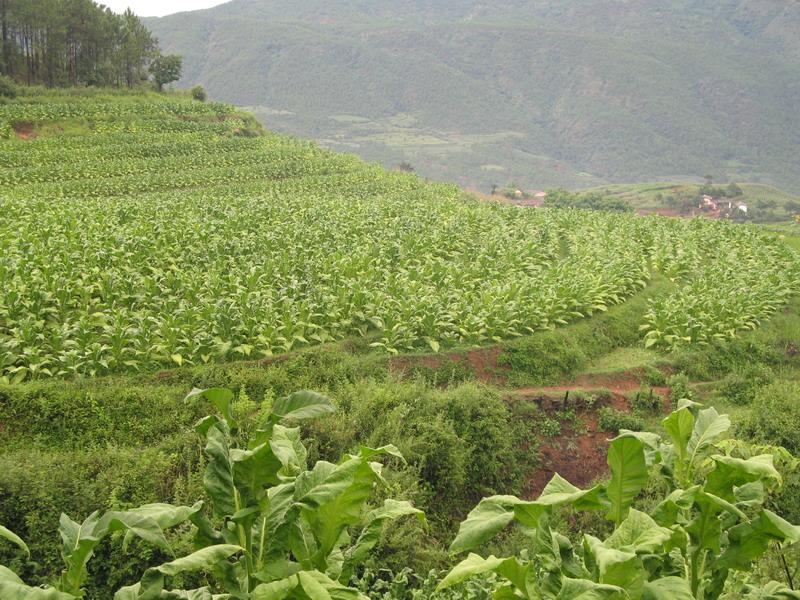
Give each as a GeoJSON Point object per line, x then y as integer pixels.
{"type": "Point", "coordinates": [282, 527]}
{"type": "Point", "coordinates": [679, 388]}
{"type": "Point", "coordinates": [612, 419]}
{"type": "Point", "coordinates": [407, 585]}
{"type": "Point", "coordinates": [449, 372]}
{"type": "Point", "coordinates": [774, 416]}
{"type": "Point", "coordinates": [590, 201]}
{"type": "Point", "coordinates": [458, 442]}
{"type": "Point", "coordinates": [654, 376]}
{"type": "Point", "coordinates": [75, 43]}
{"type": "Point", "coordinates": [199, 93]}
{"type": "Point", "coordinates": [36, 487]}
{"type": "Point", "coordinates": [165, 69]}
{"type": "Point", "coordinates": [649, 118]}
{"type": "Point", "coordinates": [548, 426]}
{"type": "Point", "coordinates": [549, 356]}
{"type": "Point", "coordinates": [255, 279]}
{"type": "Point", "coordinates": [734, 294]}
{"type": "Point", "coordinates": [711, 522]}
{"type": "Point", "coordinates": [8, 89]}
{"type": "Point", "coordinates": [646, 400]}
{"type": "Point", "coordinates": [741, 387]}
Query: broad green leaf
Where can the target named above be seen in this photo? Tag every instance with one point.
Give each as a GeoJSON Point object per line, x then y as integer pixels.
{"type": "Point", "coordinates": [333, 588]}
{"type": "Point", "coordinates": [730, 472]}
{"type": "Point", "coordinates": [79, 541]}
{"type": "Point", "coordinates": [615, 567]}
{"type": "Point", "coordinates": [275, 590]}
{"type": "Point", "coordinates": [254, 469]}
{"type": "Point", "coordinates": [708, 428]}
{"type": "Point", "coordinates": [638, 533]}
{"type": "Point", "coordinates": [139, 525]}
{"type": "Point", "coordinates": [14, 539]}
{"type": "Point", "coordinates": [687, 403]}
{"type": "Point", "coordinates": [201, 560]}
{"type": "Point", "coordinates": [628, 475]}
{"type": "Point", "coordinates": [219, 397]}
{"type": "Point", "coordinates": [749, 541]}
{"type": "Point", "coordinates": [312, 587]}
{"type": "Point", "coordinates": [288, 448]}
{"type": "Point", "coordinates": [152, 583]}
{"type": "Point", "coordinates": [584, 589]}
{"type": "Point", "coordinates": [390, 449]}
{"type": "Point", "coordinates": [486, 520]}
{"type": "Point", "coordinates": [218, 476]}
{"type": "Point", "coordinates": [10, 590]}
{"type": "Point", "coordinates": [668, 588]}
{"type": "Point", "coordinates": [336, 501]}
{"type": "Point", "coordinates": [666, 512]}
{"type": "Point", "coordinates": [559, 492]}
{"type": "Point", "coordinates": [680, 425]}
{"type": "Point", "coordinates": [164, 515]}
{"type": "Point", "coordinates": [8, 576]}
{"type": "Point", "coordinates": [302, 405]}
{"type": "Point", "coordinates": [374, 521]}
{"type": "Point", "coordinates": [469, 567]}
{"type": "Point", "coordinates": [773, 590]}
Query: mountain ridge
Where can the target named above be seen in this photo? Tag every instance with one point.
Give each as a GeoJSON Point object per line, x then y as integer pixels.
{"type": "Point", "coordinates": [540, 93]}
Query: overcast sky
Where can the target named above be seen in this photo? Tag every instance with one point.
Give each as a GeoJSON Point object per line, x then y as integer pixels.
{"type": "Point", "coordinates": [158, 8]}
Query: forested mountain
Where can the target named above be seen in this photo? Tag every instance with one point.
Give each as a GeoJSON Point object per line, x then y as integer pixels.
{"type": "Point", "coordinates": [72, 42]}
{"type": "Point", "coordinates": [545, 93]}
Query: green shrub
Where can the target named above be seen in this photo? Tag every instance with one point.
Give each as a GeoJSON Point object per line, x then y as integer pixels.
{"type": "Point", "coordinates": [654, 376]}
{"type": "Point", "coordinates": [740, 388]}
{"type": "Point", "coordinates": [679, 388]}
{"type": "Point", "coordinates": [611, 419]}
{"type": "Point", "coordinates": [8, 89]}
{"type": "Point", "coordinates": [542, 358]}
{"type": "Point", "coordinates": [604, 395]}
{"type": "Point", "coordinates": [548, 427]}
{"type": "Point", "coordinates": [198, 92]}
{"type": "Point", "coordinates": [36, 487]}
{"type": "Point", "coordinates": [53, 414]}
{"type": "Point", "coordinates": [459, 440]}
{"type": "Point", "coordinates": [646, 400]}
{"type": "Point", "coordinates": [774, 416]}
{"type": "Point", "coordinates": [724, 357]}
{"type": "Point", "coordinates": [450, 372]}
{"type": "Point", "coordinates": [405, 584]}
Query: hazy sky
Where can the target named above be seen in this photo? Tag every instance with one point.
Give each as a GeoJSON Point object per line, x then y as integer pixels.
{"type": "Point", "coordinates": [158, 8]}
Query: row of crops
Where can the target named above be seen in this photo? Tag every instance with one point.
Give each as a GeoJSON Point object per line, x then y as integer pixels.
{"type": "Point", "coordinates": [143, 248]}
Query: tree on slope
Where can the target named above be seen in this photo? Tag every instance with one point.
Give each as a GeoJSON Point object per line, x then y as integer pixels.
{"type": "Point", "coordinates": [166, 69]}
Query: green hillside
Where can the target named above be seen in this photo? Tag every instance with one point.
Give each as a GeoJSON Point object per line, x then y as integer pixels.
{"type": "Point", "coordinates": [541, 93]}
{"type": "Point", "coordinates": [652, 195]}
{"type": "Point", "coordinates": [154, 246]}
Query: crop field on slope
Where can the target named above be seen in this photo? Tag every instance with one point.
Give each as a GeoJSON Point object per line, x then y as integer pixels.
{"type": "Point", "coordinates": [164, 236]}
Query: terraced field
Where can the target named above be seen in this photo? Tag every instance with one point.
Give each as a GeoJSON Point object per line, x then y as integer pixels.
{"type": "Point", "coordinates": [151, 245]}
{"type": "Point", "coordinates": [166, 235]}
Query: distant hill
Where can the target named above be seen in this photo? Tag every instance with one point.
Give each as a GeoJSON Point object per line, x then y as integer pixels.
{"type": "Point", "coordinates": [543, 93]}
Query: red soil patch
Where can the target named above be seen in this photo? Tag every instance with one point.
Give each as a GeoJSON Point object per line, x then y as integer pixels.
{"type": "Point", "coordinates": [24, 131]}
{"type": "Point", "coordinates": [482, 361]}
{"type": "Point", "coordinates": [580, 459]}
{"type": "Point", "coordinates": [579, 453]}
{"type": "Point", "coordinates": [664, 212]}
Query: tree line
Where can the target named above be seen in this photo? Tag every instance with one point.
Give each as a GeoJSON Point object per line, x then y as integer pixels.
{"type": "Point", "coordinates": [73, 42]}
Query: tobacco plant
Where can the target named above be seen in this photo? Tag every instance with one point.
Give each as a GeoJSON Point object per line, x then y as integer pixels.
{"type": "Point", "coordinates": [710, 524]}
{"type": "Point", "coordinates": [276, 530]}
